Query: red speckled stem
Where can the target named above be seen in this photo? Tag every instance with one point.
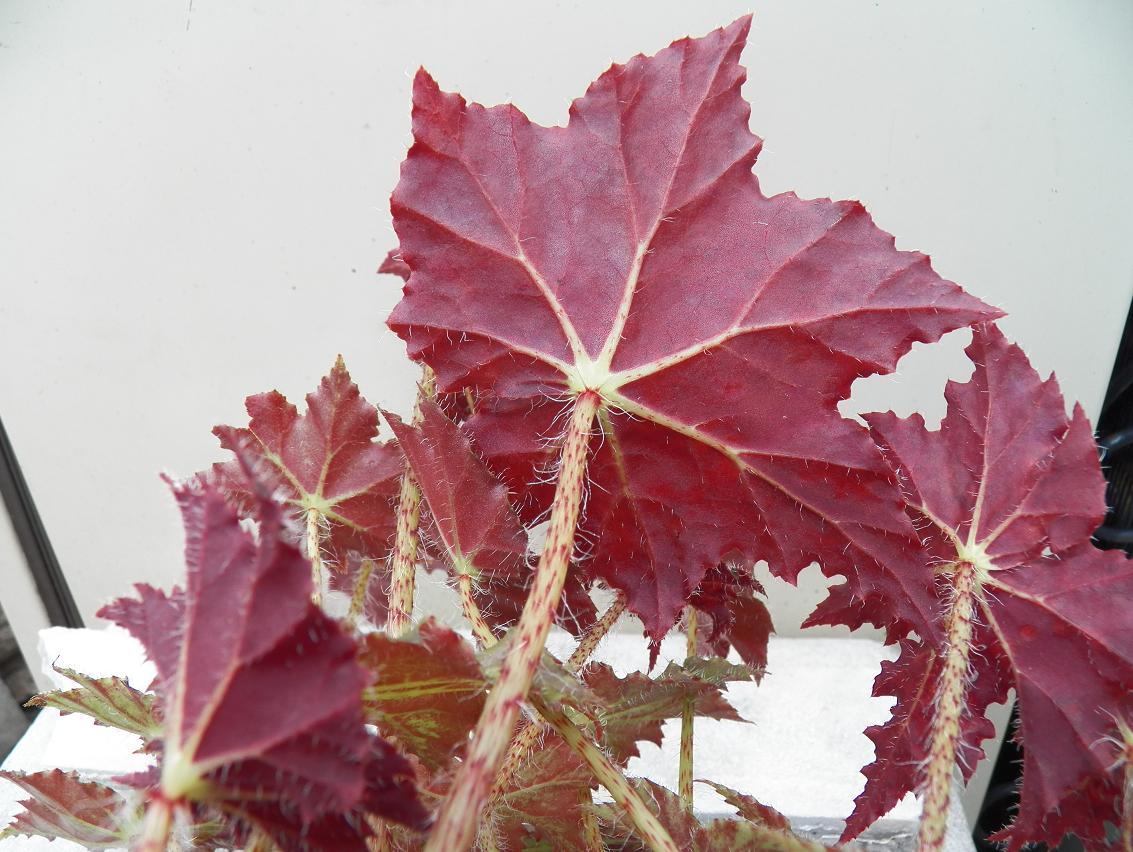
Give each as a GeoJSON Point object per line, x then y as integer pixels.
{"type": "Point", "coordinates": [403, 571]}
{"type": "Point", "coordinates": [314, 553]}
{"type": "Point", "coordinates": [945, 737]}
{"type": "Point", "coordinates": [457, 821]}
{"type": "Point", "coordinates": [403, 567]}
{"type": "Point", "coordinates": [588, 644]}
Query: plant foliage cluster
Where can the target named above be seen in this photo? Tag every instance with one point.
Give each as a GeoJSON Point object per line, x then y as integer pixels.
{"type": "Point", "coordinates": [628, 346]}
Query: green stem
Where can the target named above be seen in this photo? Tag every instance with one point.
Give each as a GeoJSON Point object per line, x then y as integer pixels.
{"type": "Point", "coordinates": [688, 720]}
{"type": "Point", "coordinates": [456, 823]}
{"type": "Point", "coordinates": [480, 627]}
{"type": "Point", "coordinates": [646, 825]}
{"type": "Point", "coordinates": [945, 736]}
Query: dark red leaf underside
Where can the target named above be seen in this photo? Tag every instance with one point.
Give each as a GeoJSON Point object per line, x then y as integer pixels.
{"type": "Point", "coordinates": [736, 617]}
{"type": "Point", "coordinates": [632, 252]}
{"type": "Point", "coordinates": [326, 459]}
{"type": "Point", "coordinates": [1012, 483]}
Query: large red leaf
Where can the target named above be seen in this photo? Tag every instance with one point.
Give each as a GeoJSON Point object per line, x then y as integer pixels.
{"type": "Point", "coordinates": [632, 252]}
{"type": "Point", "coordinates": [479, 533]}
{"type": "Point", "coordinates": [1011, 486]}
{"type": "Point", "coordinates": [326, 459]}
{"type": "Point", "coordinates": [249, 634]}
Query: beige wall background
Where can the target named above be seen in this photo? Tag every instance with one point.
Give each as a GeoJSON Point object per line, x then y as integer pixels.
{"type": "Point", "coordinates": [193, 200]}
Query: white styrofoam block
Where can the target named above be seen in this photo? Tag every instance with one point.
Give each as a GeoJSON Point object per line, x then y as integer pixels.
{"type": "Point", "coordinates": [803, 752]}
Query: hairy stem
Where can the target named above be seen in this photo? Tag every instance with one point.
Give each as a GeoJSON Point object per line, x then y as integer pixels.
{"type": "Point", "coordinates": [314, 553]}
{"type": "Point", "coordinates": [591, 833]}
{"type": "Point", "coordinates": [529, 733]}
{"type": "Point", "coordinates": [945, 737]}
{"type": "Point", "coordinates": [646, 825]}
{"type": "Point", "coordinates": [403, 573]}
{"type": "Point", "coordinates": [157, 827]}
{"type": "Point", "coordinates": [597, 632]}
{"type": "Point", "coordinates": [688, 719]}
{"type": "Point", "coordinates": [456, 824]}
{"type": "Point", "coordinates": [382, 839]}
{"type": "Point", "coordinates": [361, 589]}
{"type": "Point", "coordinates": [472, 612]}
{"type": "Point", "coordinates": [403, 568]}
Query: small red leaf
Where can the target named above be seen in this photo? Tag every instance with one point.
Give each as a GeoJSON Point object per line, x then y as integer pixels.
{"type": "Point", "coordinates": [62, 805]}
{"type": "Point", "coordinates": [428, 690]}
{"type": "Point", "coordinates": [326, 459]}
{"type": "Point", "coordinates": [633, 254]}
{"type": "Point", "coordinates": [479, 533]}
{"type": "Point", "coordinates": [736, 617]}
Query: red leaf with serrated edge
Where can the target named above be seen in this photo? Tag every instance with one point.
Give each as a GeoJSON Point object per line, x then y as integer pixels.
{"type": "Point", "coordinates": [736, 617]}
{"type": "Point", "coordinates": [395, 265]}
{"type": "Point", "coordinates": [478, 532]}
{"type": "Point", "coordinates": [428, 690]}
{"type": "Point", "coordinates": [632, 253]}
{"type": "Point", "coordinates": [326, 459]}
{"type": "Point", "coordinates": [1006, 494]}
{"type": "Point", "coordinates": [154, 619]}
{"type": "Point", "coordinates": [63, 805]}
{"type": "Point", "coordinates": [633, 708]}
{"type": "Point", "coordinates": [249, 633]}
{"type": "Point", "coordinates": [391, 794]}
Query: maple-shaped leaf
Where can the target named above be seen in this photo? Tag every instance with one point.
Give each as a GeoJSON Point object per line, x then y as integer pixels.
{"type": "Point", "coordinates": [428, 690]}
{"type": "Point", "coordinates": [631, 253]}
{"type": "Point", "coordinates": [480, 536]}
{"type": "Point", "coordinates": [543, 803]}
{"type": "Point", "coordinates": [1006, 494]}
{"type": "Point", "coordinates": [690, 835]}
{"type": "Point", "coordinates": [326, 459]}
{"type": "Point", "coordinates": [65, 806]}
{"type": "Point", "coordinates": [110, 701]}
{"type": "Point", "coordinates": [736, 617]}
{"type": "Point", "coordinates": [633, 708]}
{"type": "Point", "coordinates": [249, 637]}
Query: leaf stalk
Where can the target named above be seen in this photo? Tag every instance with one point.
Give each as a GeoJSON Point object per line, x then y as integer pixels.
{"type": "Point", "coordinates": [688, 720]}
{"type": "Point", "coordinates": [945, 736]}
{"type": "Point", "coordinates": [457, 822]}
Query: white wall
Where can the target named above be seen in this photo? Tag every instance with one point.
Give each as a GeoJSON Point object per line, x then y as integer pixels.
{"type": "Point", "coordinates": [193, 200]}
